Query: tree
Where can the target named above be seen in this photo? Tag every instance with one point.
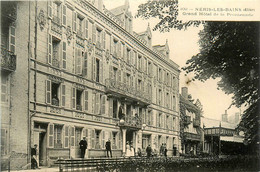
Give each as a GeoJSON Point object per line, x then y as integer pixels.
{"type": "Point", "coordinates": [166, 11]}
{"type": "Point", "coordinates": [228, 50]}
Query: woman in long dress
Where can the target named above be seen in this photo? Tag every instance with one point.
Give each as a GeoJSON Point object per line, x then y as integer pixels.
{"type": "Point", "coordinates": [127, 152]}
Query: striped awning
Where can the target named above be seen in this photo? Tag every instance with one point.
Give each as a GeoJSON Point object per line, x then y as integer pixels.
{"type": "Point", "coordinates": [236, 139]}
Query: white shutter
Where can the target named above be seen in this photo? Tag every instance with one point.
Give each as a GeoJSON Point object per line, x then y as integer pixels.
{"type": "Point", "coordinates": [50, 135]}
{"type": "Point", "coordinates": [63, 93]}
{"type": "Point", "coordinates": [103, 139]}
{"type": "Point", "coordinates": [49, 58]}
{"type": "Point", "coordinates": [104, 39]}
{"type": "Point", "coordinates": [74, 21]}
{"type": "Point", "coordinates": [78, 61]}
{"type": "Point", "coordinates": [94, 69]}
{"type": "Point", "coordinates": [93, 102]}
{"type": "Point", "coordinates": [64, 18]}
{"type": "Point", "coordinates": [94, 33]}
{"type": "Point", "coordinates": [50, 9]}
{"type": "Point", "coordinates": [110, 113]}
{"type": "Point", "coordinates": [86, 100]}
{"type": "Point", "coordinates": [73, 91]}
{"type": "Point", "coordinates": [48, 92]}
{"type": "Point", "coordinates": [66, 136]}
{"type": "Point", "coordinates": [72, 136]}
{"type": "Point", "coordinates": [86, 28]}
{"type": "Point", "coordinates": [103, 106]}
{"type": "Point", "coordinates": [98, 103]}
{"type": "Point", "coordinates": [64, 55]}
{"type": "Point", "coordinates": [12, 38]}
{"type": "Point", "coordinates": [85, 65]}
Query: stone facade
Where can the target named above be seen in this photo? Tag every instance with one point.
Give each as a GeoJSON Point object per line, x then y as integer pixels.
{"type": "Point", "coordinates": [81, 71]}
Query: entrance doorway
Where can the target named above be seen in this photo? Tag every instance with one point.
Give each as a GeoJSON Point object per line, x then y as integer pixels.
{"type": "Point", "coordinates": [129, 136]}
{"type": "Point", "coordinates": [40, 138]}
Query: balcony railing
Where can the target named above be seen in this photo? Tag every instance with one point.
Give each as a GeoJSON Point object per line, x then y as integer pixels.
{"type": "Point", "coordinates": [79, 107]}
{"type": "Point", "coordinates": [127, 91]}
{"type": "Point", "coordinates": [55, 102]}
{"type": "Point", "coordinates": [191, 136]}
{"type": "Point", "coordinates": [8, 60]}
{"type": "Point", "coordinates": [55, 63]}
{"type": "Point", "coordinates": [196, 122]}
{"type": "Point", "coordinates": [56, 20]}
{"type": "Point", "coordinates": [187, 120]}
{"type": "Point", "coordinates": [131, 122]}
{"type": "Point", "coordinates": [56, 25]}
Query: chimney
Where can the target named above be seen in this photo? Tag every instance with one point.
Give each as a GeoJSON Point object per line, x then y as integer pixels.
{"type": "Point", "coordinates": [225, 117]}
{"type": "Point", "coordinates": [184, 92]}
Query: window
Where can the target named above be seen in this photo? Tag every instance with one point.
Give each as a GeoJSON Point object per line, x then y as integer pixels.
{"type": "Point", "coordinates": [4, 88]}
{"type": "Point", "coordinates": [79, 99]}
{"type": "Point", "coordinates": [55, 94]}
{"type": "Point", "coordinates": [159, 141]}
{"type": "Point", "coordinates": [56, 13]}
{"type": "Point", "coordinates": [160, 96]}
{"type": "Point", "coordinates": [140, 112]}
{"type": "Point", "coordinates": [167, 122]}
{"type": "Point", "coordinates": [97, 70]}
{"type": "Point", "coordinates": [79, 26]}
{"type": "Point", "coordinates": [54, 52]}
{"type": "Point", "coordinates": [150, 117]}
{"type": "Point", "coordinates": [160, 120]}
{"type": "Point", "coordinates": [139, 84]}
{"type": "Point", "coordinates": [115, 49]}
{"type": "Point", "coordinates": [139, 62]}
{"type": "Point", "coordinates": [167, 142]}
{"type": "Point", "coordinates": [160, 75]}
{"type": "Point", "coordinates": [97, 139]}
{"type": "Point", "coordinates": [150, 68]}
{"type": "Point", "coordinates": [78, 132]}
{"type": "Point", "coordinates": [4, 142]}
{"type": "Point", "coordinates": [167, 101]}
{"type": "Point", "coordinates": [99, 37]}
{"type": "Point", "coordinates": [114, 142]}
{"type": "Point", "coordinates": [57, 136]}
{"type": "Point", "coordinates": [114, 108]}
{"type": "Point", "coordinates": [173, 102]}
{"type": "Point", "coordinates": [114, 73]}
{"type": "Point", "coordinates": [128, 55]}
{"type": "Point", "coordinates": [79, 56]}
{"type": "Point", "coordinates": [128, 79]}
{"type": "Point", "coordinates": [173, 123]}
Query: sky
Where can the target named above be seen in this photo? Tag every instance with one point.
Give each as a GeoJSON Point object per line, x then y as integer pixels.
{"type": "Point", "coordinates": [183, 45]}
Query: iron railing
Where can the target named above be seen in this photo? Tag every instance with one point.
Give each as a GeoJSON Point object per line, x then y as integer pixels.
{"type": "Point", "coordinates": [8, 60]}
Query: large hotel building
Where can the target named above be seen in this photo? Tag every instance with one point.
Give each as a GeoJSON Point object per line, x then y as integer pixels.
{"type": "Point", "coordinates": [73, 69]}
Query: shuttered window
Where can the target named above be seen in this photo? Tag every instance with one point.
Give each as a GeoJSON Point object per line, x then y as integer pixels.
{"type": "Point", "coordinates": [103, 139]}
{"type": "Point", "coordinates": [78, 62]}
{"type": "Point", "coordinates": [85, 65]}
{"type": "Point", "coordinates": [50, 9]}
{"type": "Point", "coordinates": [86, 100]}
{"type": "Point", "coordinates": [63, 93]}
{"type": "Point", "coordinates": [86, 28]}
{"type": "Point", "coordinates": [48, 92]}
{"type": "Point", "coordinates": [73, 94]}
{"type": "Point", "coordinates": [98, 103]}
{"type": "Point", "coordinates": [64, 18]}
{"type": "Point", "coordinates": [49, 58]}
{"type": "Point", "coordinates": [51, 135]}
{"type": "Point", "coordinates": [72, 136]}
{"type": "Point", "coordinates": [74, 22]}
{"type": "Point", "coordinates": [66, 136]}
{"type": "Point", "coordinates": [103, 104]}
{"type": "Point", "coordinates": [64, 55]}
{"type": "Point", "coordinates": [12, 38]}
{"type": "Point", "coordinates": [94, 30]}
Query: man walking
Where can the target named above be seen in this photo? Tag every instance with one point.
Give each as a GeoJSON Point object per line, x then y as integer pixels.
{"type": "Point", "coordinates": [83, 145]}
{"type": "Point", "coordinates": [108, 148]}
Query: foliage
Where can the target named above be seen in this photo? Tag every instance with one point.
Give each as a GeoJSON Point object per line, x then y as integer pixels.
{"type": "Point", "coordinates": [166, 12]}
{"type": "Point", "coordinates": [229, 51]}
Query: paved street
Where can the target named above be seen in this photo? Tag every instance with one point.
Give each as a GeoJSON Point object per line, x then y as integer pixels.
{"type": "Point", "coordinates": [43, 169]}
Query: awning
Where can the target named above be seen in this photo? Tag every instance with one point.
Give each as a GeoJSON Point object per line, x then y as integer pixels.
{"type": "Point", "coordinates": [236, 139]}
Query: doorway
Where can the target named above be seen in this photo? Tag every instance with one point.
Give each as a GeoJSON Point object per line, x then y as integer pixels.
{"type": "Point", "coordinates": [129, 136]}
{"type": "Point", "coordinates": [42, 149]}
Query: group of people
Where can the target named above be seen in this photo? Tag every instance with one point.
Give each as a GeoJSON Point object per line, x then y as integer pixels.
{"type": "Point", "coordinates": [130, 150]}
{"type": "Point", "coordinates": [163, 150]}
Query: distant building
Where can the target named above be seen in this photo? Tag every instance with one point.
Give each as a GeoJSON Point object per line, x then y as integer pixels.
{"type": "Point", "coordinates": [235, 118]}
{"type": "Point", "coordinates": [222, 137]}
{"type": "Point", "coordinates": [225, 117]}
{"type": "Point", "coordinates": [192, 138]}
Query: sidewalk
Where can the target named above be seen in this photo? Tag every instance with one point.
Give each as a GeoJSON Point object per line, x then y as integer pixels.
{"type": "Point", "coordinates": [43, 169]}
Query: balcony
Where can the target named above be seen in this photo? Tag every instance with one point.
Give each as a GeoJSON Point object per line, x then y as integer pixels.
{"type": "Point", "coordinates": [133, 122]}
{"type": "Point", "coordinates": [55, 63]}
{"type": "Point", "coordinates": [8, 11]}
{"type": "Point", "coordinates": [79, 107]}
{"type": "Point", "coordinates": [192, 136]}
{"type": "Point", "coordinates": [196, 122]}
{"type": "Point", "coordinates": [126, 91]}
{"type": "Point", "coordinates": [8, 60]}
{"type": "Point", "coordinates": [56, 25]}
{"type": "Point", "coordinates": [187, 120]}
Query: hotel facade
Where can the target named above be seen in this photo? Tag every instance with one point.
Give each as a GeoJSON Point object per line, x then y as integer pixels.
{"type": "Point", "coordinates": [73, 69]}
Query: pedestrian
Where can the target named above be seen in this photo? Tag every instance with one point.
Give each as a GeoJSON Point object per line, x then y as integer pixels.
{"type": "Point", "coordinates": [132, 152]}
{"type": "Point", "coordinates": [83, 145]}
{"type": "Point", "coordinates": [162, 149]}
{"type": "Point", "coordinates": [127, 149]}
{"type": "Point", "coordinates": [108, 148]}
{"type": "Point", "coordinates": [149, 151]}
{"type": "Point", "coordinates": [139, 152]}
{"type": "Point", "coordinates": [34, 160]}
{"type": "Point", "coordinates": [165, 150]}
